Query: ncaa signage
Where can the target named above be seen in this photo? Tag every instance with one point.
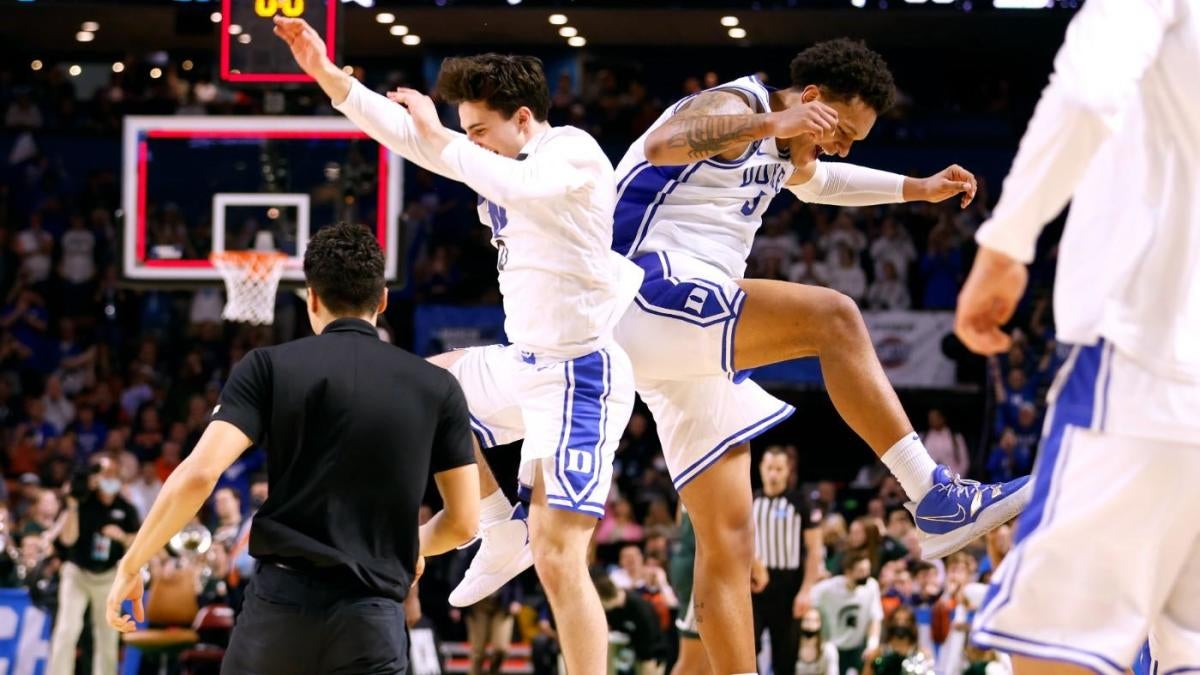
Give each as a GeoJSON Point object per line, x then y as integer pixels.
{"type": "Point", "coordinates": [24, 634]}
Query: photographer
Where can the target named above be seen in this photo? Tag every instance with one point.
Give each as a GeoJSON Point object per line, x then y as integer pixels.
{"type": "Point", "coordinates": [98, 526]}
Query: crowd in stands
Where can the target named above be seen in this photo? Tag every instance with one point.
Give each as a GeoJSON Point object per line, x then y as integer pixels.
{"type": "Point", "coordinates": [105, 389]}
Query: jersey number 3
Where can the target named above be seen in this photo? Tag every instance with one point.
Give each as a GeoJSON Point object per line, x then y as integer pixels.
{"type": "Point", "coordinates": [752, 205]}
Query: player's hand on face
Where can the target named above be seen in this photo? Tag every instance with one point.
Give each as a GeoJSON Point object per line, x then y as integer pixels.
{"type": "Point", "coordinates": [813, 119]}
{"type": "Point", "coordinates": [948, 182]}
{"type": "Point", "coordinates": [421, 107]}
{"type": "Point", "coordinates": [988, 300]}
{"type": "Point", "coordinates": [126, 586]}
{"type": "Point", "coordinates": [307, 46]}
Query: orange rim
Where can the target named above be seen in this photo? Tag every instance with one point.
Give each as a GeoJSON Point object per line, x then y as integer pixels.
{"type": "Point", "coordinates": [257, 264]}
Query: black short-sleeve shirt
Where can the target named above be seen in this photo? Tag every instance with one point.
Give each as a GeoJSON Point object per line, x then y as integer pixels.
{"type": "Point", "coordinates": [94, 551]}
{"type": "Point", "coordinates": [353, 428]}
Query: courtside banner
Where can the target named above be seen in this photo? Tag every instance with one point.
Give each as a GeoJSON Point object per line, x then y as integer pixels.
{"type": "Point", "coordinates": [24, 634]}
{"type": "Point", "coordinates": [909, 345]}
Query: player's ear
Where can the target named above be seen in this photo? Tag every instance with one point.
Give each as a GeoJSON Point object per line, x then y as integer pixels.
{"type": "Point", "coordinates": [810, 93]}
{"type": "Point", "coordinates": [314, 303]}
{"type": "Point", "coordinates": [382, 302]}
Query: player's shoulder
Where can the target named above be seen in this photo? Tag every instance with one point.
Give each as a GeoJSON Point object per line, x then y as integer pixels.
{"type": "Point", "coordinates": [574, 137]}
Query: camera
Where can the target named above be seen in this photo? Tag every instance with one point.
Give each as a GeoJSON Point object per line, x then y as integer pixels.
{"type": "Point", "coordinates": [80, 479]}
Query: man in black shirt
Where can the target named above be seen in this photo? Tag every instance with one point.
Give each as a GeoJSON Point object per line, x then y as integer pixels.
{"type": "Point", "coordinates": [636, 644]}
{"type": "Point", "coordinates": [97, 528]}
{"type": "Point", "coordinates": [353, 428]}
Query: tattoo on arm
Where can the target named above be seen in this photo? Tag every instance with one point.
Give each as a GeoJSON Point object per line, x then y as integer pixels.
{"type": "Point", "coordinates": [708, 136]}
{"type": "Point", "coordinates": [712, 123]}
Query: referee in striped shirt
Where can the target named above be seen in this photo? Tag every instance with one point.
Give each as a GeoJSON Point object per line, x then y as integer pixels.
{"type": "Point", "coordinates": [788, 542]}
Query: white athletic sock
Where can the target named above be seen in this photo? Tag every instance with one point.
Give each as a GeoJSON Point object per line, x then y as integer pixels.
{"type": "Point", "coordinates": [494, 508]}
{"type": "Point", "coordinates": [911, 464]}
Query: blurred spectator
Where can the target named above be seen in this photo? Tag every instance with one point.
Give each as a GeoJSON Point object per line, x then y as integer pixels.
{"type": "Point", "coordinates": [544, 649]}
{"type": "Point", "coordinates": [58, 409]}
{"type": "Point", "coordinates": [1010, 458]}
{"type": "Point", "coordinates": [636, 642]}
{"type": "Point", "coordinates": [941, 271]}
{"type": "Point", "coordinates": [893, 247]}
{"type": "Point", "coordinates": [144, 488]}
{"type": "Point", "coordinates": [78, 266]}
{"type": "Point", "coordinates": [99, 525]}
{"type": "Point", "coordinates": [647, 580]}
{"type": "Point", "coordinates": [42, 516]}
{"type": "Point", "coordinates": [227, 506]}
{"type": "Point", "coordinates": [889, 291]}
{"type": "Point", "coordinates": [34, 247]}
{"type": "Point", "coordinates": [775, 244]}
{"type": "Point", "coordinates": [23, 113]}
{"type": "Point", "coordinates": [618, 524]}
{"type": "Point", "coordinates": [846, 275]}
{"type": "Point", "coordinates": [167, 461]}
{"type": "Point", "coordinates": [898, 591]}
{"type": "Point", "coordinates": [809, 269]}
{"type": "Point", "coordinates": [945, 445]}
{"type": "Point", "coordinates": [816, 655]}
{"type": "Point", "coordinates": [853, 601]}
{"type": "Point", "coordinates": [490, 624]}
{"type": "Point", "coordinates": [899, 654]}
{"type": "Point", "coordinates": [90, 433]}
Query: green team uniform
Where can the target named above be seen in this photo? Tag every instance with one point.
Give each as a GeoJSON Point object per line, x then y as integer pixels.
{"type": "Point", "coordinates": [683, 564]}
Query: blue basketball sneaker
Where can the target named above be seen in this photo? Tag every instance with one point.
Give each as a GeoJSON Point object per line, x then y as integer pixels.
{"type": "Point", "coordinates": [957, 511]}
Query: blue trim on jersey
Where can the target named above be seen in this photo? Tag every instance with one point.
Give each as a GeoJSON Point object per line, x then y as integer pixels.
{"type": "Point", "coordinates": [1046, 651]}
{"type": "Point", "coordinates": [1177, 671]}
{"type": "Point", "coordinates": [524, 492]}
{"type": "Point", "coordinates": [749, 154]}
{"type": "Point", "coordinates": [588, 508]}
{"type": "Point", "coordinates": [487, 438]}
{"type": "Point", "coordinates": [727, 342]}
{"type": "Point", "coordinates": [1074, 407]}
{"type": "Point", "coordinates": [496, 213]}
{"type": "Point", "coordinates": [696, 301]}
{"type": "Point", "coordinates": [741, 436]}
{"type": "Point", "coordinates": [636, 206]}
{"type": "Point", "coordinates": [578, 459]}
{"type": "Point", "coordinates": [631, 174]}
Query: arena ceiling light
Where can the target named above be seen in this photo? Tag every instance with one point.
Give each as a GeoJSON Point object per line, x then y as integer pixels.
{"type": "Point", "coordinates": [155, 73]}
{"type": "Point", "coordinates": [737, 33]}
{"type": "Point", "coordinates": [36, 64]}
{"type": "Point", "coordinates": [244, 38]}
{"type": "Point", "coordinates": [1021, 4]}
{"type": "Point", "coordinates": [84, 36]}
{"type": "Point", "coordinates": [411, 40]}
{"type": "Point", "coordinates": [577, 41]}
{"type": "Point", "coordinates": [398, 30]}
{"type": "Point", "coordinates": [568, 31]}
{"type": "Point", "coordinates": [187, 64]}
{"type": "Point", "coordinates": [215, 17]}
{"type": "Point", "coordinates": [90, 26]}
{"type": "Point", "coordinates": [859, 3]}
{"type": "Point", "coordinates": [235, 29]}
{"type": "Point", "coordinates": [385, 17]}
{"type": "Point", "coordinates": [729, 21]}
{"type": "Point", "coordinates": [514, 2]}
{"type": "Point", "coordinates": [118, 67]}
{"type": "Point", "coordinates": [558, 19]}
{"type": "Point", "coordinates": [74, 71]}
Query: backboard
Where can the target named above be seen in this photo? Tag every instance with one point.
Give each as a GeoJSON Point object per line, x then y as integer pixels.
{"type": "Point", "coordinates": [195, 185]}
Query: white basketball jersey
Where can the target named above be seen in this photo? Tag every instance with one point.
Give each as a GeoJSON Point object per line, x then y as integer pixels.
{"type": "Point", "coordinates": [709, 209]}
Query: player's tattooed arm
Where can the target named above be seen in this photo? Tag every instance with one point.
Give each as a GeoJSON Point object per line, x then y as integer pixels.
{"type": "Point", "coordinates": [712, 123]}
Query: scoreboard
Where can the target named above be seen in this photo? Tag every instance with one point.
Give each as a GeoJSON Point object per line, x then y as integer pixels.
{"type": "Point", "coordinates": [250, 51]}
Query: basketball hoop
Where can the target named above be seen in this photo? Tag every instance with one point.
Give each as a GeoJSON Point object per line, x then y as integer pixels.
{"type": "Point", "coordinates": [251, 279]}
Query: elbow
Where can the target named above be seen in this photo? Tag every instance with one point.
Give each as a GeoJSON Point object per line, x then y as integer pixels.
{"type": "Point", "coordinates": [655, 149]}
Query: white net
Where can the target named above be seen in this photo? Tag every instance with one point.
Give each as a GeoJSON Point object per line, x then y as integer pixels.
{"type": "Point", "coordinates": [251, 279]}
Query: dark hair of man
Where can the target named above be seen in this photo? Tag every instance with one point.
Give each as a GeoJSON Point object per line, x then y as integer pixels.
{"type": "Point", "coordinates": [846, 69]}
{"type": "Point", "coordinates": [343, 264]}
{"type": "Point", "coordinates": [502, 82]}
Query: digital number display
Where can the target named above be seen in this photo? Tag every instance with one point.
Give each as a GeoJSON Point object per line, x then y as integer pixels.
{"type": "Point", "coordinates": [250, 51]}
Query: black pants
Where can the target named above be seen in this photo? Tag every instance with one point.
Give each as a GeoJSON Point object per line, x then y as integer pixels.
{"type": "Point", "coordinates": [294, 623]}
{"type": "Point", "coordinates": [773, 612]}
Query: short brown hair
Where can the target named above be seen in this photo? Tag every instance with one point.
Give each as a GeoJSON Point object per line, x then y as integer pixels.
{"type": "Point", "coordinates": [504, 83]}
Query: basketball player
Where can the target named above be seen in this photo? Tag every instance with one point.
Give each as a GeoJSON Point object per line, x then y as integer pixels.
{"type": "Point", "coordinates": [1109, 550]}
{"type": "Point", "coordinates": [563, 385]}
{"type": "Point", "coordinates": [690, 198]}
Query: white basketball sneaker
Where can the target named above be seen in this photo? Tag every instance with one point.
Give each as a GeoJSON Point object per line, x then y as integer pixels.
{"type": "Point", "coordinates": [504, 553]}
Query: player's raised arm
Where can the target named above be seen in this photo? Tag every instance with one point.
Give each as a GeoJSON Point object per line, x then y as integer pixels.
{"type": "Point", "coordinates": [844, 184]}
{"type": "Point", "coordinates": [721, 122]}
{"type": "Point", "coordinates": [381, 119]}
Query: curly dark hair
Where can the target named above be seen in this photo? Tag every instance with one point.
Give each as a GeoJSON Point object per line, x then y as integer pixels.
{"type": "Point", "coordinates": [846, 69]}
{"type": "Point", "coordinates": [343, 265]}
{"type": "Point", "coordinates": [503, 82]}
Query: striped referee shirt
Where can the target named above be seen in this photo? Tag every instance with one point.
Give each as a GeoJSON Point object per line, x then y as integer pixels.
{"type": "Point", "coordinates": [779, 525]}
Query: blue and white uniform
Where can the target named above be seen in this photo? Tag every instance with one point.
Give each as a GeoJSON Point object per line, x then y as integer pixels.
{"type": "Point", "coordinates": [1108, 551]}
{"type": "Point", "coordinates": [690, 229]}
{"type": "Point", "coordinates": [563, 385]}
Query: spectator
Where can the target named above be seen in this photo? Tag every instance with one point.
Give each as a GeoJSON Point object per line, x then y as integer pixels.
{"type": "Point", "coordinates": [776, 244]}
{"type": "Point", "coordinates": [941, 270]}
{"type": "Point", "coordinates": [1028, 427]}
{"type": "Point", "coordinates": [90, 433]}
{"type": "Point", "coordinates": [23, 113]}
{"type": "Point", "coordinates": [945, 445]}
{"type": "Point", "coordinates": [636, 643]}
{"type": "Point", "coordinates": [76, 360]}
{"type": "Point", "coordinates": [490, 624]}
{"type": "Point", "coordinates": [951, 613]}
{"type": "Point", "coordinates": [889, 291]}
{"type": "Point", "coordinates": [809, 269]}
{"type": "Point", "coordinates": [58, 409]}
{"type": "Point", "coordinates": [893, 247]}
{"type": "Point", "coordinates": [1012, 393]}
{"type": "Point", "coordinates": [853, 602]}
{"type": "Point", "coordinates": [100, 523]}
{"type": "Point", "coordinates": [78, 266]}
{"type": "Point", "coordinates": [658, 520]}
{"type": "Point", "coordinates": [817, 656]}
{"type": "Point", "coordinates": [42, 516]}
{"type": "Point", "coordinates": [618, 525]}
{"type": "Point", "coordinates": [899, 654]}
{"type": "Point", "coordinates": [34, 246]}
{"type": "Point", "coordinates": [544, 649]}
{"type": "Point", "coordinates": [144, 488]}
{"type": "Point", "coordinates": [846, 275]}
{"type": "Point", "coordinates": [1010, 458]}
{"type": "Point", "coordinates": [227, 506]}
{"type": "Point", "coordinates": [844, 233]}
{"type": "Point", "coordinates": [147, 438]}
{"type": "Point", "coordinates": [167, 461]}
{"type": "Point", "coordinates": [899, 589]}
